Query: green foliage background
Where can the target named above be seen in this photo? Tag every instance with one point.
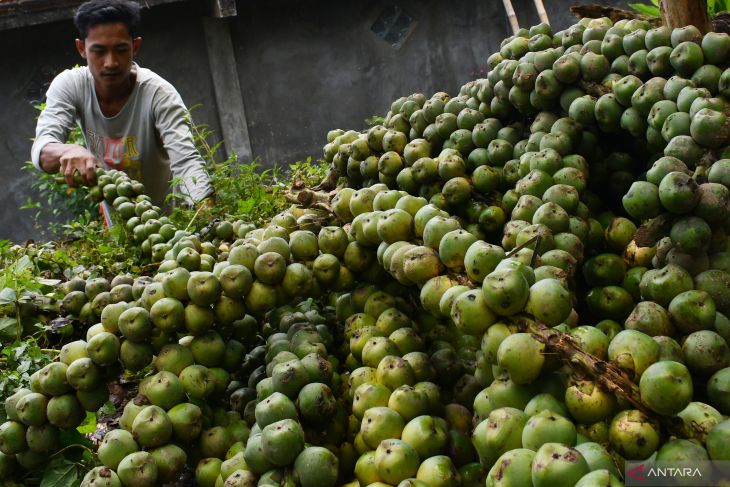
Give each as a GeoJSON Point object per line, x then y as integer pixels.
{"type": "Point", "coordinates": [714, 7]}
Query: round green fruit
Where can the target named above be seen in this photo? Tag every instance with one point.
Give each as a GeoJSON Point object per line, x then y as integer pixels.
{"type": "Point", "coordinates": [554, 463]}
{"type": "Point", "coordinates": [316, 467]}
{"type": "Point", "coordinates": [282, 441]}
{"type": "Point", "coordinates": [138, 469]}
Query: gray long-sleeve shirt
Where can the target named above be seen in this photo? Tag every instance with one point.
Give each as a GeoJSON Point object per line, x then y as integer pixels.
{"type": "Point", "coordinates": [149, 138]}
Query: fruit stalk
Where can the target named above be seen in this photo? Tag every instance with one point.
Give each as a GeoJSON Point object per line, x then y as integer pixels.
{"type": "Point", "coordinates": [608, 375]}
{"type": "Point", "coordinates": [680, 13]}
{"type": "Point", "coordinates": [308, 198]}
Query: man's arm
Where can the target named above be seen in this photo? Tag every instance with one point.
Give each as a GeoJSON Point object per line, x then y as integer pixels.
{"type": "Point", "coordinates": [186, 163]}
{"type": "Point", "coordinates": [68, 159]}
{"type": "Point", "coordinates": [50, 152]}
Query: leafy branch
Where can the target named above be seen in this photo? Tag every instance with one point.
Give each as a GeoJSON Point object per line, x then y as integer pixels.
{"type": "Point", "coordinates": [714, 7]}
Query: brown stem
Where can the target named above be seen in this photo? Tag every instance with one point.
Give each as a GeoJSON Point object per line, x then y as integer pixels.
{"type": "Point", "coordinates": [536, 238]}
{"type": "Point", "coordinates": [307, 198]}
{"type": "Point", "coordinates": [329, 182]}
{"type": "Point", "coordinates": [607, 375]}
{"type": "Point", "coordinates": [681, 13]}
{"type": "Point", "coordinates": [596, 90]}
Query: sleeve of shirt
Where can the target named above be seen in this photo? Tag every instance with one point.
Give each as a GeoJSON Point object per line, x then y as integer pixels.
{"type": "Point", "coordinates": [58, 118]}
{"type": "Point", "coordinates": [186, 163]}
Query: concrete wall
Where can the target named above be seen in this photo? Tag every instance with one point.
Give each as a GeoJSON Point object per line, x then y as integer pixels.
{"type": "Point", "coordinates": [304, 66]}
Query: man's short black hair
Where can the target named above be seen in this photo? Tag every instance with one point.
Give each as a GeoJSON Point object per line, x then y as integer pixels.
{"type": "Point", "coordinates": [95, 12]}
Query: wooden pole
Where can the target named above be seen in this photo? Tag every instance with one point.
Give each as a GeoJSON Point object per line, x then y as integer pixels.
{"type": "Point", "coordinates": [511, 15]}
{"type": "Point", "coordinates": [681, 13]}
{"type": "Point", "coordinates": [541, 12]}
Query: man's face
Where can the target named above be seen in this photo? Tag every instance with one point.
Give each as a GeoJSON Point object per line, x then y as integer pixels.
{"type": "Point", "coordinates": [109, 51]}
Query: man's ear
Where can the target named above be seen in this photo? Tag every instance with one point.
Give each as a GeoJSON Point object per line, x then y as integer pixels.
{"type": "Point", "coordinates": [81, 47]}
{"type": "Point", "coordinates": [136, 44]}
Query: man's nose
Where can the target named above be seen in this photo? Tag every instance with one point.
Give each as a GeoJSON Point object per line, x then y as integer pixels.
{"type": "Point", "coordinates": [110, 61]}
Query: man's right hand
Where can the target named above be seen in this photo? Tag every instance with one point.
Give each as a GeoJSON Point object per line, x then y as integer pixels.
{"type": "Point", "coordinates": [71, 158]}
{"type": "Point", "coordinates": [78, 158]}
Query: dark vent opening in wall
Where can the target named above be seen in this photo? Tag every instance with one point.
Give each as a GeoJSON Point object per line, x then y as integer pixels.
{"type": "Point", "coordinates": [393, 25]}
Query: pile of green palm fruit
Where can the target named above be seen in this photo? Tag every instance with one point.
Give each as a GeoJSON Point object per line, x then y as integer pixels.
{"type": "Point", "coordinates": [579, 189]}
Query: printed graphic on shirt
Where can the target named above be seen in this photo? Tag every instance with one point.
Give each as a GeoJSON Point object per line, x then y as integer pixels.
{"type": "Point", "coordinates": [94, 143]}
{"type": "Point", "coordinates": [119, 153]}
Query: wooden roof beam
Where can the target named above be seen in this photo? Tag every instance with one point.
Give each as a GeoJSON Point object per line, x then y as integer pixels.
{"type": "Point", "coordinates": [23, 13]}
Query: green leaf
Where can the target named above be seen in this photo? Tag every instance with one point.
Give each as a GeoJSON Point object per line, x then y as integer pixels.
{"type": "Point", "coordinates": [48, 282]}
{"type": "Point", "coordinates": [23, 264]}
{"type": "Point", "coordinates": [245, 206]}
{"type": "Point", "coordinates": [7, 296]}
{"type": "Point", "coordinates": [108, 408]}
{"type": "Point", "coordinates": [24, 366]}
{"type": "Point", "coordinates": [645, 9]}
{"type": "Point", "coordinates": [89, 424]}
{"type": "Point", "coordinates": [8, 327]}
{"type": "Point", "coordinates": [60, 473]}
{"type": "Point", "coordinates": [71, 438]}
{"type": "Point", "coordinates": [30, 204]}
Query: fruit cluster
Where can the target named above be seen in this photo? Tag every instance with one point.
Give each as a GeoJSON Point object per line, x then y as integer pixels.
{"type": "Point", "coordinates": [581, 187]}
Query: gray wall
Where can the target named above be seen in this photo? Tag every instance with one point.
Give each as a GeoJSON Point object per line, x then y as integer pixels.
{"type": "Point", "coordinates": [304, 66]}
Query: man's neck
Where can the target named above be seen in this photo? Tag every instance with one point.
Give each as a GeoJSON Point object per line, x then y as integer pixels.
{"type": "Point", "coordinates": [112, 99]}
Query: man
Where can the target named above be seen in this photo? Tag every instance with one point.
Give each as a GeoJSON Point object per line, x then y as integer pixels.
{"type": "Point", "coordinates": [131, 118]}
